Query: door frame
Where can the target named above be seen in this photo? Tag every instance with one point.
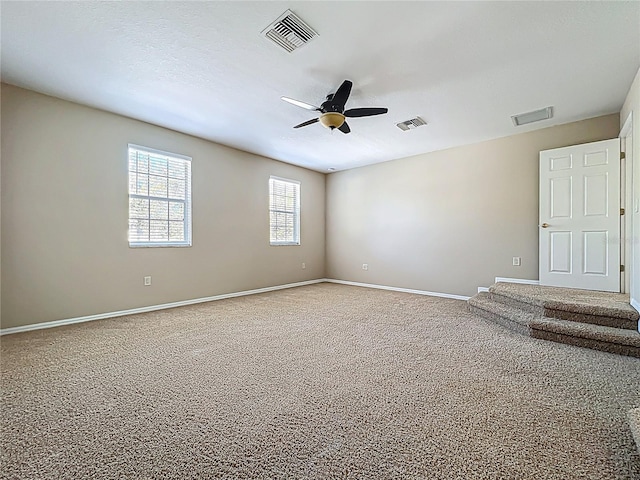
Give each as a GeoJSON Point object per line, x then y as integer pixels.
{"type": "Point", "coordinates": [626, 200]}
{"type": "Point", "coordinates": [632, 247]}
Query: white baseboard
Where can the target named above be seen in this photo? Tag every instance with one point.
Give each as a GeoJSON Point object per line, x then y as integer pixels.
{"type": "Point", "coordinates": [397, 289]}
{"type": "Point", "coordinates": [483, 289]}
{"type": "Point", "coordinates": [517, 280]}
{"type": "Point", "coordinates": [133, 311]}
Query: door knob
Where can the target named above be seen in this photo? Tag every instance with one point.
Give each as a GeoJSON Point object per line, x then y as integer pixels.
{"type": "Point", "coordinates": [545, 225]}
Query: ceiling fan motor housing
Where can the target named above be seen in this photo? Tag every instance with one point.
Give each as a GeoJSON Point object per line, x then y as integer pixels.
{"type": "Point", "coordinates": [329, 106]}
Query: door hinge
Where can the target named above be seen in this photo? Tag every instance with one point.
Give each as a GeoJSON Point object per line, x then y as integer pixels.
{"type": "Point", "coordinates": [622, 211]}
{"type": "Point", "coordinates": [621, 268]}
{"type": "Point", "coordinates": [622, 156]}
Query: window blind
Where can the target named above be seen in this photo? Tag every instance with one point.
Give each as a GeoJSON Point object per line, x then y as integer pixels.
{"type": "Point", "coordinates": [159, 198]}
{"type": "Point", "coordinates": [284, 211]}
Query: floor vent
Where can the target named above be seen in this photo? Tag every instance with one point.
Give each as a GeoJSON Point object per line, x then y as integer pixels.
{"type": "Point", "coordinates": [289, 32]}
{"type": "Point", "coordinates": [411, 124]}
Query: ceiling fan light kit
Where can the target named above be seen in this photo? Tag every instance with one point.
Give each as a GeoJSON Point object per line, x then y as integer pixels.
{"type": "Point", "coordinates": [332, 120]}
{"type": "Point", "coordinates": [332, 109]}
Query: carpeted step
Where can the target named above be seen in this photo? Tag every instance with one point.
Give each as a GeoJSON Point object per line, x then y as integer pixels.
{"type": "Point", "coordinates": [526, 322]}
{"type": "Point", "coordinates": [509, 317]}
{"type": "Point", "coordinates": [607, 339]}
{"type": "Point", "coordinates": [634, 424]}
{"type": "Point", "coordinates": [584, 306]}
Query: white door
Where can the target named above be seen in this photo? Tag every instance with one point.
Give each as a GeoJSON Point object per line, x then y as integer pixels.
{"type": "Point", "coordinates": [580, 216]}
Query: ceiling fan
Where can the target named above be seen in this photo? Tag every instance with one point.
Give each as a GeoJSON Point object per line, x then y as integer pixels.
{"type": "Point", "coordinates": [332, 110]}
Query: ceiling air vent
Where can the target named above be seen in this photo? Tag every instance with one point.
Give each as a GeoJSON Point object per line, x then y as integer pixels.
{"type": "Point", "coordinates": [530, 117]}
{"type": "Point", "coordinates": [289, 32]}
{"type": "Point", "coordinates": [411, 124]}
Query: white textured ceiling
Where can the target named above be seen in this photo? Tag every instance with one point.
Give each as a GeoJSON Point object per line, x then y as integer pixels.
{"type": "Point", "coordinates": [203, 68]}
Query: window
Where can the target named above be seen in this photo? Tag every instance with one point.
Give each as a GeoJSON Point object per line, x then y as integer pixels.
{"type": "Point", "coordinates": [284, 211]}
{"type": "Point", "coordinates": [159, 198]}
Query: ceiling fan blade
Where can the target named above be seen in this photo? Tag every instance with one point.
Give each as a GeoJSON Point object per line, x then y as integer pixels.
{"type": "Point", "coordinates": [308, 122]}
{"type": "Point", "coordinates": [365, 112]}
{"type": "Point", "coordinates": [342, 94]}
{"type": "Point", "coordinates": [344, 128]}
{"type": "Point", "coordinates": [298, 103]}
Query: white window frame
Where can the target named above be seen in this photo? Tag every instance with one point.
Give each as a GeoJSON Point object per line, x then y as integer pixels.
{"type": "Point", "coordinates": [187, 242]}
{"type": "Point", "coordinates": [295, 213]}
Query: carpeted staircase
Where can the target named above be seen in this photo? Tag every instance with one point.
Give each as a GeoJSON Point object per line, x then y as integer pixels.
{"type": "Point", "coordinates": [598, 320]}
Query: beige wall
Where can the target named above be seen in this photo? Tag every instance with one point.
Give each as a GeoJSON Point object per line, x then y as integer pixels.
{"type": "Point", "coordinates": [64, 216]}
{"type": "Point", "coordinates": [632, 107]}
{"type": "Point", "coordinates": [448, 221]}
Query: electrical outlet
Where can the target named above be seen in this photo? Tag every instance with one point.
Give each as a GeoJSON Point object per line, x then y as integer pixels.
{"type": "Point", "coordinates": [147, 281]}
{"type": "Point", "coordinates": [304, 265]}
{"type": "Point", "coordinates": [365, 266]}
{"type": "Point", "coordinates": [516, 261]}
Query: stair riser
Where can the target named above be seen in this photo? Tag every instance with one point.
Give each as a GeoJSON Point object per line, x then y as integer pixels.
{"type": "Point", "coordinates": [614, 322]}
{"type": "Point", "coordinates": [627, 350]}
{"type": "Point", "coordinates": [500, 320]}
{"type": "Point", "coordinates": [592, 319]}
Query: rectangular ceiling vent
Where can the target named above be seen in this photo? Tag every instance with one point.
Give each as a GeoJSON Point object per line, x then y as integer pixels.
{"type": "Point", "coordinates": [411, 124]}
{"type": "Point", "coordinates": [530, 117]}
{"type": "Point", "coordinates": [289, 32]}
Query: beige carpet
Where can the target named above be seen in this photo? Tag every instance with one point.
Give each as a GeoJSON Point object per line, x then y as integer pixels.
{"type": "Point", "coordinates": [323, 381]}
